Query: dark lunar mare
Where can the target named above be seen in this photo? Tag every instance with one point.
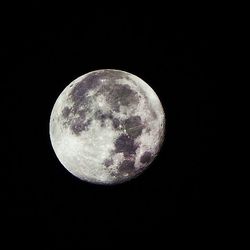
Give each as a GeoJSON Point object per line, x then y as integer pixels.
{"type": "Point", "coordinates": [146, 157]}
{"type": "Point", "coordinates": [127, 166]}
{"type": "Point", "coordinates": [78, 93]}
{"type": "Point", "coordinates": [134, 126]}
{"type": "Point", "coordinates": [108, 162]}
{"type": "Point", "coordinates": [121, 94]}
{"type": "Point", "coordinates": [116, 122]}
{"type": "Point", "coordinates": [81, 104]}
{"type": "Point", "coordinates": [78, 125]}
{"type": "Point", "coordinates": [66, 112]}
{"type": "Point", "coordinates": [101, 116]}
{"type": "Point", "coordinates": [125, 144]}
{"type": "Point", "coordinates": [115, 94]}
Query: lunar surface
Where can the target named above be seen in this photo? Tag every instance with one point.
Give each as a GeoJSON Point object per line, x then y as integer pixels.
{"type": "Point", "coordinates": [107, 126]}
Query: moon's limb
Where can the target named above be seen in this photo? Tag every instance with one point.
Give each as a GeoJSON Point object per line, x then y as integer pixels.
{"type": "Point", "coordinates": [107, 126]}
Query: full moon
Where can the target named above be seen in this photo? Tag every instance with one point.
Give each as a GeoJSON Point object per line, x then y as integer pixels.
{"type": "Point", "coordinates": [107, 126]}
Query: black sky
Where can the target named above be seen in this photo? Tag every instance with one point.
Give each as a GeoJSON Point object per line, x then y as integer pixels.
{"type": "Point", "coordinates": [49, 46]}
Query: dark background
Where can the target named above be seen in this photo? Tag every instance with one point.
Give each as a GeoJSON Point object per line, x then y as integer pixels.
{"type": "Point", "coordinates": [49, 46]}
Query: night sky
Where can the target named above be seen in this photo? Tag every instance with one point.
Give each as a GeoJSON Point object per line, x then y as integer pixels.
{"type": "Point", "coordinates": [46, 47]}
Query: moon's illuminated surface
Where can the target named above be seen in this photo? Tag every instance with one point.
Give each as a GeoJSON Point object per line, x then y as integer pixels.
{"type": "Point", "coordinates": [107, 126]}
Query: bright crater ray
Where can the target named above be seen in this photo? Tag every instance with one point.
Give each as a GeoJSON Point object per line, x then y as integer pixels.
{"type": "Point", "coordinates": [107, 126]}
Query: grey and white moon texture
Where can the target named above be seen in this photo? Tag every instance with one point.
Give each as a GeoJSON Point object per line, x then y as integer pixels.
{"type": "Point", "coordinates": [107, 126]}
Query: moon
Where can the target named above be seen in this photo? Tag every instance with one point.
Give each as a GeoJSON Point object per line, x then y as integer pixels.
{"type": "Point", "coordinates": [107, 126]}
